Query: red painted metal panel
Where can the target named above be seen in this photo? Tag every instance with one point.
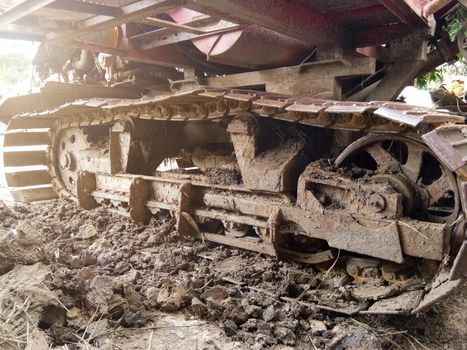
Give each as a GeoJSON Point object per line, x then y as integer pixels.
{"type": "Point", "coordinates": [249, 47]}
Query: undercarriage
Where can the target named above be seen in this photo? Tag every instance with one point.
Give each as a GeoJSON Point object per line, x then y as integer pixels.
{"type": "Point", "coordinates": [297, 178]}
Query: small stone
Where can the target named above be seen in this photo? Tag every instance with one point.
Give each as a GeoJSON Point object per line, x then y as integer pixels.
{"type": "Point", "coordinates": [100, 292]}
{"type": "Point", "coordinates": [299, 310]}
{"type": "Point", "coordinates": [109, 258]}
{"type": "Point", "coordinates": [131, 295]}
{"type": "Point", "coordinates": [269, 314]}
{"type": "Point", "coordinates": [198, 307]}
{"type": "Point", "coordinates": [73, 313]}
{"type": "Point", "coordinates": [128, 278]}
{"type": "Point", "coordinates": [232, 312]}
{"type": "Point", "coordinates": [316, 326]}
{"type": "Point", "coordinates": [100, 246]}
{"type": "Point", "coordinates": [86, 232]}
{"type": "Point", "coordinates": [215, 294]}
{"type": "Point", "coordinates": [304, 325]}
{"type": "Point", "coordinates": [268, 276]}
{"type": "Point", "coordinates": [300, 277]}
{"type": "Point", "coordinates": [87, 273]}
{"type": "Point", "coordinates": [122, 267]}
{"type": "Point", "coordinates": [285, 335]}
{"type": "Point", "coordinates": [197, 282]}
{"type": "Point", "coordinates": [75, 262]}
{"type": "Point", "coordinates": [171, 295]}
{"type": "Point", "coordinates": [253, 311]}
{"type": "Point", "coordinates": [134, 319]}
{"type": "Point", "coordinates": [289, 323]}
{"type": "Point", "coordinates": [264, 327]}
{"type": "Point", "coordinates": [88, 258]}
{"type": "Point", "coordinates": [250, 325]}
{"type": "Point", "coordinates": [229, 327]}
{"type": "Point", "coordinates": [151, 295]}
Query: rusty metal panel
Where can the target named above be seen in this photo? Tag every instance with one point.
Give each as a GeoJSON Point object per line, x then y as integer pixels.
{"type": "Point", "coordinates": [450, 145]}
{"type": "Point", "coordinates": [438, 292]}
{"type": "Point", "coordinates": [400, 116]}
{"type": "Point", "coordinates": [463, 193]}
{"type": "Point", "coordinates": [382, 242]}
{"type": "Point", "coordinates": [27, 138]}
{"type": "Point", "coordinates": [33, 193]}
{"type": "Point", "coordinates": [459, 268]}
{"type": "Point", "coordinates": [429, 245]}
{"type": "Point", "coordinates": [22, 157]}
{"type": "Point", "coordinates": [249, 97]}
{"type": "Point", "coordinates": [21, 178]}
{"type": "Point", "coordinates": [309, 105]}
{"type": "Point", "coordinates": [414, 116]}
{"type": "Point", "coordinates": [401, 304]}
{"type": "Point", "coordinates": [276, 103]}
{"type": "Point", "coordinates": [350, 107]}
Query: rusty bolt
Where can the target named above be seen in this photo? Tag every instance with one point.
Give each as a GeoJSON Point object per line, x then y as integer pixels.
{"type": "Point", "coordinates": [377, 202]}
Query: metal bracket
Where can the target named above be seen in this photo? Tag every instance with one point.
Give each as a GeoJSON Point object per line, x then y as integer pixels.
{"type": "Point", "coordinates": [186, 224]}
{"type": "Point", "coordinates": [86, 184]}
{"type": "Point", "coordinates": [139, 195]}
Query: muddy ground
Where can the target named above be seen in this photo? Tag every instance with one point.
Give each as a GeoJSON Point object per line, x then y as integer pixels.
{"type": "Point", "coordinates": [75, 279]}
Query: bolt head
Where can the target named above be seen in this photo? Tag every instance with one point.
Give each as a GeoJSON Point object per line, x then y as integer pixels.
{"type": "Point", "coordinates": [377, 202]}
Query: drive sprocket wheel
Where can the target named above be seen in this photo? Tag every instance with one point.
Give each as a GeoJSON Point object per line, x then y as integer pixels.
{"type": "Point", "coordinates": [69, 143]}
{"type": "Point", "coordinates": [429, 189]}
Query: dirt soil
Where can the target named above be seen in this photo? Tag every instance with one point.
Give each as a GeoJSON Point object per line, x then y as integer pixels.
{"type": "Point", "coordinates": [75, 279]}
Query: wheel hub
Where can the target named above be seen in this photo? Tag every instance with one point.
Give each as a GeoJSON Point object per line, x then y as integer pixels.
{"type": "Point", "coordinates": [67, 148]}
{"type": "Point", "coordinates": [67, 161]}
{"type": "Point", "coordinates": [404, 186]}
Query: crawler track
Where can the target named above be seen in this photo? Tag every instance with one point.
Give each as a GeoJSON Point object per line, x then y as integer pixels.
{"type": "Point", "coordinates": [48, 165]}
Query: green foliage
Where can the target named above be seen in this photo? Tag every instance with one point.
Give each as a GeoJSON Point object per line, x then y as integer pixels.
{"type": "Point", "coordinates": [13, 68]}
{"type": "Point", "coordinates": [435, 76]}
{"type": "Point", "coordinates": [16, 69]}
{"type": "Point", "coordinates": [453, 24]}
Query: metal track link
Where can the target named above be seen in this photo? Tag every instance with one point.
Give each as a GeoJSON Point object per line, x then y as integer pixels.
{"type": "Point", "coordinates": [26, 145]}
